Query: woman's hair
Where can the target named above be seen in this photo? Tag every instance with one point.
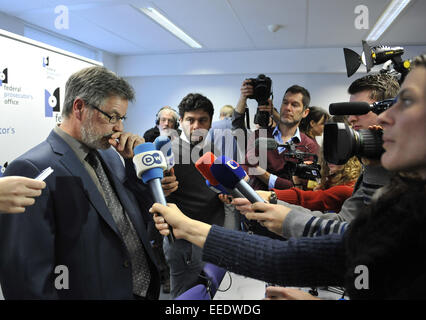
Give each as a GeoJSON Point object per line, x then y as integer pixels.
{"type": "Point", "coordinates": [315, 114]}
{"type": "Point", "coordinates": [349, 173]}
{"type": "Point", "coordinates": [383, 238]}
{"type": "Point", "coordinates": [420, 61]}
{"type": "Point", "coordinates": [389, 238]}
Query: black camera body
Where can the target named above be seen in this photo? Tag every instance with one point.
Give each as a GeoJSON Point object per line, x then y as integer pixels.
{"type": "Point", "coordinates": [341, 142]}
{"type": "Point", "coordinates": [262, 86]}
{"type": "Point", "coordinates": [296, 165]}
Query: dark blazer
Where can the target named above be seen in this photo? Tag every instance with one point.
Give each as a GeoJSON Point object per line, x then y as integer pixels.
{"type": "Point", "coordinates": [70, 225]}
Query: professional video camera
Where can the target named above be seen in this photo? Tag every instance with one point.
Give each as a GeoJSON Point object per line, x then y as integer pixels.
{"type": "Point", "coordinates": [261, 92]}
{"type": "Point", "coordinates": [297, 166]}
{"type": "Point", "coordinates": [342, 142]}
{"type": "Point", "coordinates": [390, 57]}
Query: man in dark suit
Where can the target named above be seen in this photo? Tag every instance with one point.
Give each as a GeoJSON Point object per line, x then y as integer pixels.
{"type": "Point", "coordinates": [85, 237]}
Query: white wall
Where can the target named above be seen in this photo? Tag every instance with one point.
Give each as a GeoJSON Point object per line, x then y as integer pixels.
{"type": "Point", "coordinates": [161, 80]}
{"type": "Point", "coordinates": [154, 92]}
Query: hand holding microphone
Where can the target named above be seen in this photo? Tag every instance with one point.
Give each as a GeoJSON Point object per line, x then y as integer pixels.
{"type": "Point", "coordinates": [229, 174]}
{"type": "Point", "coordinates": [149, 165]}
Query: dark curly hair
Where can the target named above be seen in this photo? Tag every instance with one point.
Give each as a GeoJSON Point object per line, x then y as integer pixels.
{"type": "Point", "coordinates": [195, 101]}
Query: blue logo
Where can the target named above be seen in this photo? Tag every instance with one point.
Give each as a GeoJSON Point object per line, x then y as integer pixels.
{"type": "Point", "coordinates": [149, 159]}
{"type": "Point", "coordinates": [45, 61]}
{"type": "Point", "coordinates": [51, 102]}
{"type": "Point", "coordinates": [3, 77]}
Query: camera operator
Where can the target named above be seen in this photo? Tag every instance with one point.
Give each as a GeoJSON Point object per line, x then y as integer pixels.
{"type": "Point", "coordinates": [294, 108]}
{"type": "Point", "coordinates": [300, 221]}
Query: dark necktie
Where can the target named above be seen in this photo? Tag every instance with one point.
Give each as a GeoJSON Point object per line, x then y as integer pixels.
{"type": "Point", "coordinates": [140, 269]}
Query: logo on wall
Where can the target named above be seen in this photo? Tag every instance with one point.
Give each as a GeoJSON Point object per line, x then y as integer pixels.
{"type": "Point", "coordinates": [51, 102]}
{"type": "Point", "coordinates": [45, 61]}
{"type": "Point", "coordinates": [3, 77]}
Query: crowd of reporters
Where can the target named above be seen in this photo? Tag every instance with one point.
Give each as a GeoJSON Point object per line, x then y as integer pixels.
{"type": "Point", "coordinates": [309, 232]}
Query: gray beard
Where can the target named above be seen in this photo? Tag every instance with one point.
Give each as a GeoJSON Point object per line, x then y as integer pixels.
{"type": "Point", "coordinates": [92, 139]}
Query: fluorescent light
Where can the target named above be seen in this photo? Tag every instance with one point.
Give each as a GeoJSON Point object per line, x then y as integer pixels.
{"type": "Point", "coordinates": [170, 26]}
{"type": "Point", "coordinates": [388, 16]}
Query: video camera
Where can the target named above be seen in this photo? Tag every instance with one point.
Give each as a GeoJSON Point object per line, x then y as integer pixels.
{"type": "Point", "coordinates": [261, 92]}
{"type": "Point", "coordinates": [377, 55]}
{"type": "Point", "coordinates": [341, 142]}
{"type": "Point", "coordinates": [298, 167]}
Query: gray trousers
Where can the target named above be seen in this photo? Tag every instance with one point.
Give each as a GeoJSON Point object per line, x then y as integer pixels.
{"type": "Point", "coordinates": [185, 264]}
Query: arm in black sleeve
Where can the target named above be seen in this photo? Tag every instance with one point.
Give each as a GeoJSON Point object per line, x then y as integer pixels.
{"type": "Point", "coordinates": [296, 262]}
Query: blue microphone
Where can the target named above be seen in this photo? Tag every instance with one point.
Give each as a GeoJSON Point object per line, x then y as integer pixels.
{"type": "Point", "coordinates": [230, 175]}
{"type": "Point", "coordinates": [149, 165]}
{"type": "Point", "coordinates": [164, 144]}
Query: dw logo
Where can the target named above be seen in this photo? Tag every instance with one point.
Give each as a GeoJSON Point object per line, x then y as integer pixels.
{"type": "Point", "coordinates": [45, 61]}
{"type": "Point", "coordinates": [3, 77]}
{"type": "Point", "coordinates": [51, 102]}
{"type": "Point", "coordinates": [150, 159]}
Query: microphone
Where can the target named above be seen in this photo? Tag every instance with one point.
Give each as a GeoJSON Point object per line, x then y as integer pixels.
{"type": "Point", "coordinates": [270, 143]}
{"type": "Point", "coordinates": [203, 165]}
{"type": "Point", "coordinates": [149, 165]}
{"type": "Point", "coordinates": [229, 173]}
{"type": "Point", "coordinates": [164, 144]}
{"type": "Point", "coordinates": [349, 108]}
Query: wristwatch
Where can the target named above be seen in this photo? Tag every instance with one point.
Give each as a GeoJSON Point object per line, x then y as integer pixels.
{"type": "Point", "coordinates": [273, 198]}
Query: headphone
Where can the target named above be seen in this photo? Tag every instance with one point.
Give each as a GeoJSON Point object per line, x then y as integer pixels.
{"type": "Point", "coordinates": [175, 116]}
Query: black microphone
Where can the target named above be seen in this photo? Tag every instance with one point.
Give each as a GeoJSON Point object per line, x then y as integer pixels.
{"type": "Point", "coordinates": [269, 143]}
{"type": "Point", "coordinates": [349, 108]}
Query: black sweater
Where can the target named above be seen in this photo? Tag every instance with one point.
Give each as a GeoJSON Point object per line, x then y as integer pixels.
{"type": "Point", "coordinates": [193, 197]}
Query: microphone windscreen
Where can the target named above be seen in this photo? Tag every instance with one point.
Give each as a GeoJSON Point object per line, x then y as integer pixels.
{"type": "Point", "coordinates": [269, 143]}
{"type": "Point", "coordinates": [227, 171]}
{"type": "Point", "coordinates": [349, 108]}
{"type": "Point", "coordinates": [149, 163]}
{"type": "Point", "coordinates": [164, 144]}
{"type": "Point", "coordinates": [203, 165]}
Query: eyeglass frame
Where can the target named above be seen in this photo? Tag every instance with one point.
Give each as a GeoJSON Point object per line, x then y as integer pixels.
{"type": "Point", "coordinates": [110, 118]}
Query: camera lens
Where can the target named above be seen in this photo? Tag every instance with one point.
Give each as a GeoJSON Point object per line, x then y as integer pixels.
{"type": "Point", "coordinates": [342, 143]}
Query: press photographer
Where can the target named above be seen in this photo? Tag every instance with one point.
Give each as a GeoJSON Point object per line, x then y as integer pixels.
{"type": "Point", "coordinates": [293, 109]}
{"type": "Point", "coordinates": [300, 221]}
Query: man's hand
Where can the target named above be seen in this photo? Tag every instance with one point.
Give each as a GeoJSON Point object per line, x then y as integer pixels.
{"type": "Point", "coordinates": [18, 192]}
{"type": "Point", "coordinates": [125, 142]}
{"type": "Point", "coordinates": [282, 293]}
{"type": "Point", "coordinates": [372, 162]}
{"type": "Point", "coordinates": [246, 91]}
{"type": "Point", "coordinates": [169, 182]}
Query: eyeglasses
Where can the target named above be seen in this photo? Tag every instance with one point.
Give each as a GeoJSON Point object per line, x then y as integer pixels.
{"type": "Point", "coordinates": [112, 119]}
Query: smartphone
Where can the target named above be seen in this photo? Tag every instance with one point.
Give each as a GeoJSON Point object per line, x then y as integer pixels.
{"type": "Point", "coordinates": [44, 174]}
